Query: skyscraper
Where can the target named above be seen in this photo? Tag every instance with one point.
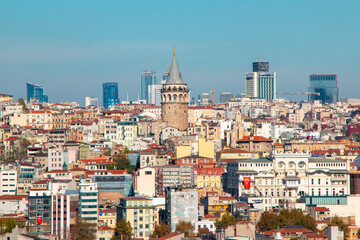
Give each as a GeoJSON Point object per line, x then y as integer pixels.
{"type": "Point", "coordinates": [325, 86]}
{"type": "Point", "coordinates": [226, 97]}
{"type": "Point", "coordinates": [261, 83]}
{"type": "Point", "coordinates": [147, 79]}
{"type": "Point", "coordinates": [35, 91]}
{"type": "Point", "coordinates": [110, 94]}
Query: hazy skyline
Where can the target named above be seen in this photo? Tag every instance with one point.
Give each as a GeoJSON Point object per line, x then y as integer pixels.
{"type": "Point", "coordinates": [71, 48]}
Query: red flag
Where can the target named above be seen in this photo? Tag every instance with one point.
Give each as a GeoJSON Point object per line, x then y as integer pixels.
{"type": "Point", "coordinates": [247, 182]}
{"type": "Point", "coordinates": [39, 219]}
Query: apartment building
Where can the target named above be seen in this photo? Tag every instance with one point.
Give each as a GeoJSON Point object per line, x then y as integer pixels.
{"type": "Point", "coordinates": [140, 213]}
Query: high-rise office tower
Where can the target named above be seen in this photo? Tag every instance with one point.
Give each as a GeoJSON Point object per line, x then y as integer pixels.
{"type": "Point", "coordinates": [204, 99]}
{"type": "Point", "coordinates": [175, 99]}
{"type": "Point", "coordinates": [110, 94]}
{"type": "Point", "coordinates": [226, 97]}
{"type": "Point", "coordinates": [91, 101]}
{"type": "Point", "coordinates": [35, 91]}
{"type": "Point", "coordinates": [147, 79]}
{"type": "Point", "coordinates": [325, 86]}
{"type": "Point", "coordinates": [261, 83]}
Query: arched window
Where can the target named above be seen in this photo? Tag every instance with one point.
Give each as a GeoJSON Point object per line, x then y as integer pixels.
{"type": "Point", "coordinates": [169, 97]}
{"type": "Point", "coordinates": [175, 97]}
{"type": "Point", "coordinates": [180, 97]}
{"type": "Point", "coordinates": [174, 88]}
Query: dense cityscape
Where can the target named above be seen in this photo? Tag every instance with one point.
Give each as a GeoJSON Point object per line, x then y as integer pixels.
{"type": "Point", "coordinates": [171, 166]}
{"type": "Point", "coordinates": [179, 120]}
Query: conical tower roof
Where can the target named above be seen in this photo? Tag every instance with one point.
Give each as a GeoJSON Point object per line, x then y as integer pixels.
{"type": "Point", "coordinates": [174, 73]}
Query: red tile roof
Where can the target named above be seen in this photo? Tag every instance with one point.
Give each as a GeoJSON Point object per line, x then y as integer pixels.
{"type": "Point", "coordinates": [321, 209]}
{"type": "Point", "coordinates": [13, 197]}
{"type": "Point", "coordinates": [255, 138]}
{"type": "Point", "coordinates": [103, 228]}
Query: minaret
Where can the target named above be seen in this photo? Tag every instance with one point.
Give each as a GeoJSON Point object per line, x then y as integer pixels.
{"type": "Point", "coordinates": [174, 99]}
{"type": "Point", "coordinates": [278, 234]}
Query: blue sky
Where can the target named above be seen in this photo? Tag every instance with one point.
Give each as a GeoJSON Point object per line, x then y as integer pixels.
{"type": "Point", "coordinates": [72, 47]}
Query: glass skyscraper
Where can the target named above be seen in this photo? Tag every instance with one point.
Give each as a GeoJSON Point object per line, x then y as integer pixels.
{"type": "Point", "coordinates": [261, 83]}
{"type": "Point", "coordinates": [35, 91]}
{"type": "Point", "coordinates": [110, 94]}
{"type": "Point", "coordinates": [325, 86]}
{"type": "Point", "coordinates": [147, 79]}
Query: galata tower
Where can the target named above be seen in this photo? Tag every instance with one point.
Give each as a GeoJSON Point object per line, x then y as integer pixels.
{"type": "Point", "coordinates": [175, 99]}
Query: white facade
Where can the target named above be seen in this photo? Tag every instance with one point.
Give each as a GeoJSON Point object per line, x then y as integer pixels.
{"type": "Point", "coordinates": [154, 94]}
{"type": "Point", "coordinates": [288, 177]}
{"type": "Point", "coordinates": [8, 182]}
{"type": "Point", "coordinates": [91, 101]}
{"type": "Point", "coordinates": [13, 205]}
{"type": "Point", "coordinates": [145, 182]}
{"type": "Point", "coordinates": [88, 202]}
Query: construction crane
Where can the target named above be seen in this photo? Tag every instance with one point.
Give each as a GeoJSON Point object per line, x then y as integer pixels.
{"type": "Point", "coordinates": [301, 93]}
{"type": "Point", "coordinates": [148, 64]}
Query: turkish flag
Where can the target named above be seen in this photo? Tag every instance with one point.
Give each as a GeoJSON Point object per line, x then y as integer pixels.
{"type": "Point", "coordinates": [39, 219]}
{"type": "Point", "coordinates": [247, 182]}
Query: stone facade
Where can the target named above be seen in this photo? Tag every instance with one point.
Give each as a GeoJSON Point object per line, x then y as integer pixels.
{"type": "Point", "coordinates": [175, 99]}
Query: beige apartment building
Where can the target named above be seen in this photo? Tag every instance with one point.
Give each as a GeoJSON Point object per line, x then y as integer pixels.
{"type": "Point", "coordinates": [140, 212]}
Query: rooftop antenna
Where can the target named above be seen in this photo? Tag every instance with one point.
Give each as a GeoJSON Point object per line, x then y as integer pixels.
{"type": "Point", "coordinates": [259, 58]}
{"type": "Point", "coordinates": [127, 96]}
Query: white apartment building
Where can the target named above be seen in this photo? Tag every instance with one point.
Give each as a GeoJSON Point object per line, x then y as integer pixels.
{"type": "Point", "coordinates": [88, 202]}
{"type": "Point", "coordinates": [91, 101]}
{"type": "Point", "coordinates": [288, 177]}
{"type": "Point", "coordinates": [8, 182]}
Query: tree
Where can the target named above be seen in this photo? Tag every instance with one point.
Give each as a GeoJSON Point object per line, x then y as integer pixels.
{"type": "Point", "coordinates": [341, 224]}
{"type": "Point", "coordinates": [286, 217]}
{"type": "Point", "coordinates": [122, 231]}
{"type": "Point", "coordinates": [185, 227]}
{"type": "Point", "coordinates": [22, 102]}
{"type": "Point", "coordinates": [161, 230]}
{"type": "Point", "coordinates": [10, 224]}
{"type": "Point", "coordinates": [123, 163]}
{"type": "Point", "coordinates": [82, 230]}
{"type": "Point", "coordinates": [226, 219]}
{"type": "Point", "coordinates": [7, 226]}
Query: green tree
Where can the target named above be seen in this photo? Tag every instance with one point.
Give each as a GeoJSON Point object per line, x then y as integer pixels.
{"type": "Point", "coordinates": [161, 230]}
{"type": "Point", "coordinates": [341, 224]}
{"type": "Point", "coordinates": [2, 226]}
{"type": "Point", "coordinates": [185, 227]}
{"type": "Point", "coordinates": [82, 230]}
{"type": "Point", "coordinates": [110, 167]}
{"type": "Point", "coordinates": [286, 217]}
{"type": "Point", "coordinates": [122, 231]}
{"type": "Point", "coordinates": [10, 224]}
{"type": "Point", "coordinates": [123, 163]}
{"type": "Point", "coordinates": [22, 102]}
{"type": "Point", "coordinates": [126, 151]}
{"type": "Point", "coordinates": [226, 219]}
